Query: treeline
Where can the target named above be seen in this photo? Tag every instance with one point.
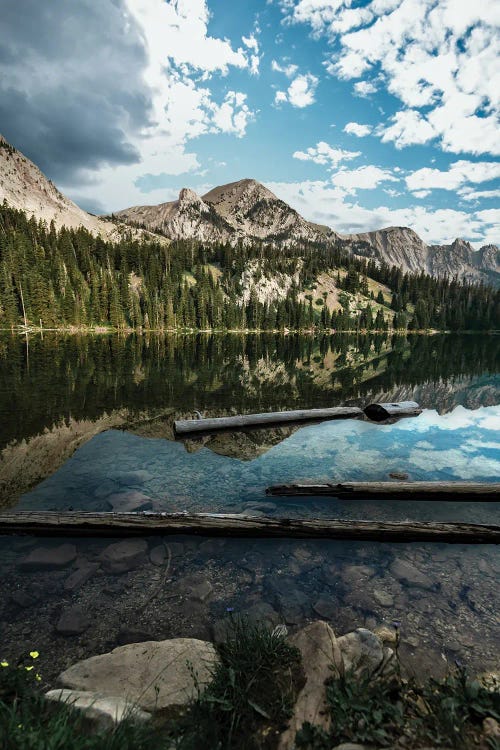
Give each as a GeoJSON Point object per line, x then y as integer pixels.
{"type": "Point", "coordinates": [71, 278]}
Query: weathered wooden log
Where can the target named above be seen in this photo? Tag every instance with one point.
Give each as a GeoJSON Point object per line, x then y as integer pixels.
{"type": "Point", "coordinates": [379, 412]}
{"type": "Point", "coordinates": [456, 491]}
{"type": "Point", "coordinates": [240, 421]}
{"type": "Point", "coordinates": [77, 524]}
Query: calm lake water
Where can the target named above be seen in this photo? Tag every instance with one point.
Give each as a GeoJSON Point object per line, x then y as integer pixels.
{"type": "Point", "coordinates": [86, 424]}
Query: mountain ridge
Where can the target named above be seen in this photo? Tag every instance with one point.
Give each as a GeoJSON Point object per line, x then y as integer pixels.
{"type": "Point", "coordinates": [243, 211]}
{"type": "Point", "coordinates": [247, 211]}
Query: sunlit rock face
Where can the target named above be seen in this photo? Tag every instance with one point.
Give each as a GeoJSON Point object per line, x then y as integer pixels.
{"type": "Point", "coordinates": [402, 247]}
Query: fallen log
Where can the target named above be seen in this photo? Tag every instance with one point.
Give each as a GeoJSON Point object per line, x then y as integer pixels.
{"type": "Point", "coordinates": [378, 412]}
{"type": "Point", "coordinates": [78, 524]}
{"type": "Point", "coordinates": [240, 421]}
{"type": "Point", "coordinates": [456, 491]}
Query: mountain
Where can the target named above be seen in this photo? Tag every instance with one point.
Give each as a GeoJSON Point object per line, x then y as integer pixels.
{"type": "Point", "coordinates": [247, 211]}
{"type": "Point", "coordinates": [25, 187]}
{"type": "Point", "coordinates": [402, 247]}
{"type": "Point", "coordinates": [239, 211]}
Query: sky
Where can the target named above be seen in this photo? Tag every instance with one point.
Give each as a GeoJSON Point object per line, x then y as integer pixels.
{"type": "Point", "coordinates": [359, 113]}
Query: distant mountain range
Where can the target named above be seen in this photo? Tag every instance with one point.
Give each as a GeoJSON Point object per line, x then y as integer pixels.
{"type": "Point", "coordinates": [244, 211]}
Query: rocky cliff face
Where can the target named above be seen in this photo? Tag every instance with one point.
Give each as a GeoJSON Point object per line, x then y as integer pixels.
{"type": "Point", "coordinates": [238, 211]}
{"type": "Point", "coordinates": [402, 247]}
{"type": "Point", "coordinates": [25, 187]}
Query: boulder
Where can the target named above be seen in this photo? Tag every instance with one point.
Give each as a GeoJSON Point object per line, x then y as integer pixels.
{"type": "Point", "coordinates": [121, 557]}
{"type": "Point", "coordinates": [319, 651]}
{"type": "Point", "coordinates": [363, 654]}
{"type": "Point", "coordinates": [155, 675]}
{"type": "Point", "coordinates": [49, 558]}
{"type": "Point", "coordinates": [384, 598]}
{"type": "Point", "coordinates": [101, 712]}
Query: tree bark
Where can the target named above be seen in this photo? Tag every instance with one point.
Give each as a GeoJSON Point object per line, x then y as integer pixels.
{"type": "Point", "coordinates": [77, 524]}
{"type": "Point", "coordinates": [454, 491]}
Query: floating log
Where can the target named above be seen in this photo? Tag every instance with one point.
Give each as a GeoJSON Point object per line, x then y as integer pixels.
{"type": "Point", "coordinates": [77, 524]}
{"type": "Point", "coordinates": [381, 411]}
{"type": "Point", "coordinates": [189, 426]}
{"type": "Point", "coordinates": [456, 491]}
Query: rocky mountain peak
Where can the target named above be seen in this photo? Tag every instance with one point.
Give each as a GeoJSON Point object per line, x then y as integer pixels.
{"type": "Point", "coordinates": [187, 196]}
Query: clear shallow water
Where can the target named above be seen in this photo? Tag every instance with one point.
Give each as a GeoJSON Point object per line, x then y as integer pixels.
{"type": "Point", "coordinates": [463, 444]}
{"type": "Point", "coordinates": [116, 399]}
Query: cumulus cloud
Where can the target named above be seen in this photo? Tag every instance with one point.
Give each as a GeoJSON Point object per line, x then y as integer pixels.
{"type": "Point", "coordinates": [300, 93]}
{"type": "Point", "coordinates": [99, 93]}
{"type": "Point", "coordinates": [287, 68]}
{"type": "Point", "coordinates": [364, 178]}
{"type": "Point", "coordinates": [323, 153]}
{"type": "Point", "coordinates": [459, 173]}
{"type": "Point", "coordinates": [355, 128]}
{"type": "Point", "coordinates": [326, 203]}
{"type": "Point", "coordinates": [439, 59]}
{"type": "Point", "coordinates": [364, 88]}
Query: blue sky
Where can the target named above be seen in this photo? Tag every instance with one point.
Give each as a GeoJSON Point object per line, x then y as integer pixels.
{"type": "Point", "coordinates": [359, 114]}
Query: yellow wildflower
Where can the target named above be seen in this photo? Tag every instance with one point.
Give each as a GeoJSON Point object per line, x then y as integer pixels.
{"type": "Point", "coordinates": [38, 677]}
{"type": "Point", "coordinates": [34, 654]}
{"type": "Point", "coordinates": [28, 669]}
{"type": "Point", "coordinates": [4, 663]}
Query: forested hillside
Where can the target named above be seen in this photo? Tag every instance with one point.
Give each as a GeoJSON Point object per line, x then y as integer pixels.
{"type": "Point", "coordinates": [69, 278]}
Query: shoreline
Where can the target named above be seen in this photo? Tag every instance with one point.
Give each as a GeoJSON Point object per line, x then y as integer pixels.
{"type": "Point", "coordinates": [109, 330]}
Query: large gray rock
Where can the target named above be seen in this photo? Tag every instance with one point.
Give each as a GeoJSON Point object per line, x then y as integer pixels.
{"type": "Point", "coordinates": [49, 558]}
{"type": "Point", "coordinates": [121, 557]}
{"type": "Point", "coordinates": [319, 650]}
{"type": "Point", "coordinates": [156, 675]}
{"type": "Point", "coordinates": [363, 654]}
{"type": "Point", "coordinates": [80, 576]}
{"type": "Point", "coordinates": [101, 712]}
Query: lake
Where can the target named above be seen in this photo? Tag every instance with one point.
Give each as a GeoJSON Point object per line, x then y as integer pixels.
{"type": "Point", "coordinates": [86, 424]}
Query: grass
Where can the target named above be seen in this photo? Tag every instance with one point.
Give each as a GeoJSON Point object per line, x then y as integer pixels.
{"type": "Point", "coordinates": [247, 704]}
{"type": "Point", "coordinates": [440, 713]}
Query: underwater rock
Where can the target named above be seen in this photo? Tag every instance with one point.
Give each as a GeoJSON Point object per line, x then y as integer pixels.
{"type": "Point", "coordinates": [121, 557]}
{"type": "Point", "coordinates": [73, 621]}
{"type": "Point", "coordinates": [407, 573]}
{"type": "Point", "coordinates": [80, 576]}
{"type": "Point", "coordinates": [49, 558]}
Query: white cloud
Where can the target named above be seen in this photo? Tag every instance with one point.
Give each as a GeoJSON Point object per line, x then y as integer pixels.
{"type": "Point", "coordinates": [288, 68]}
{"type": "Point", "coordinates": [476, 195]}
{"type": "Point", "coordinates": [408, 128]}
{"type": "Point", "coordinates": [325, 203]}
{"type": "Point", "coordinates": [355, 128]}
{"type": "Point", "coordinates": [364, 178]}
{"type": "Point", "coordinates": [323, 153]}
{"type": "Point", "coordinates": [459, 173]}
{"type": "Point", "coordinates": [182, 60]}
{"type": "Point", "coordinates": [364, 88]}
{"type": "Point", "coordinates": [441, 56]}
{"type": "Point", "coordinates": [253, 45]}
{"type": "Point", "coordinates": [421, 193]}
{"type": "Point", "coordinates": [300, 93]}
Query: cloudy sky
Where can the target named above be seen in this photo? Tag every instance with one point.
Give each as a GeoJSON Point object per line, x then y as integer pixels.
{"type": "Point", "coordinates": [359, 113]}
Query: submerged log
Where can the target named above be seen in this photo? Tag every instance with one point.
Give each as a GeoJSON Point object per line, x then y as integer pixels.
{"type": "Point", "coordinates": [381, 411]}
{"type": "Point", "coordinates": [189, 426]}
{"type": "Point", "coordinates": [77, 524]}
{"type": "Point", "coordinates": [456, 491]}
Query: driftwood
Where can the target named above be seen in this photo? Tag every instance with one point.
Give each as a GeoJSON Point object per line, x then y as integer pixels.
{"type": "Point", "coordinates": [456, 491]}
{"type": "Point", "coordinates": [189, 426]}
{"type": "Point", "coordinates": [77, 524]}
{"type": "Point", "coordinates": [381, 411]}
